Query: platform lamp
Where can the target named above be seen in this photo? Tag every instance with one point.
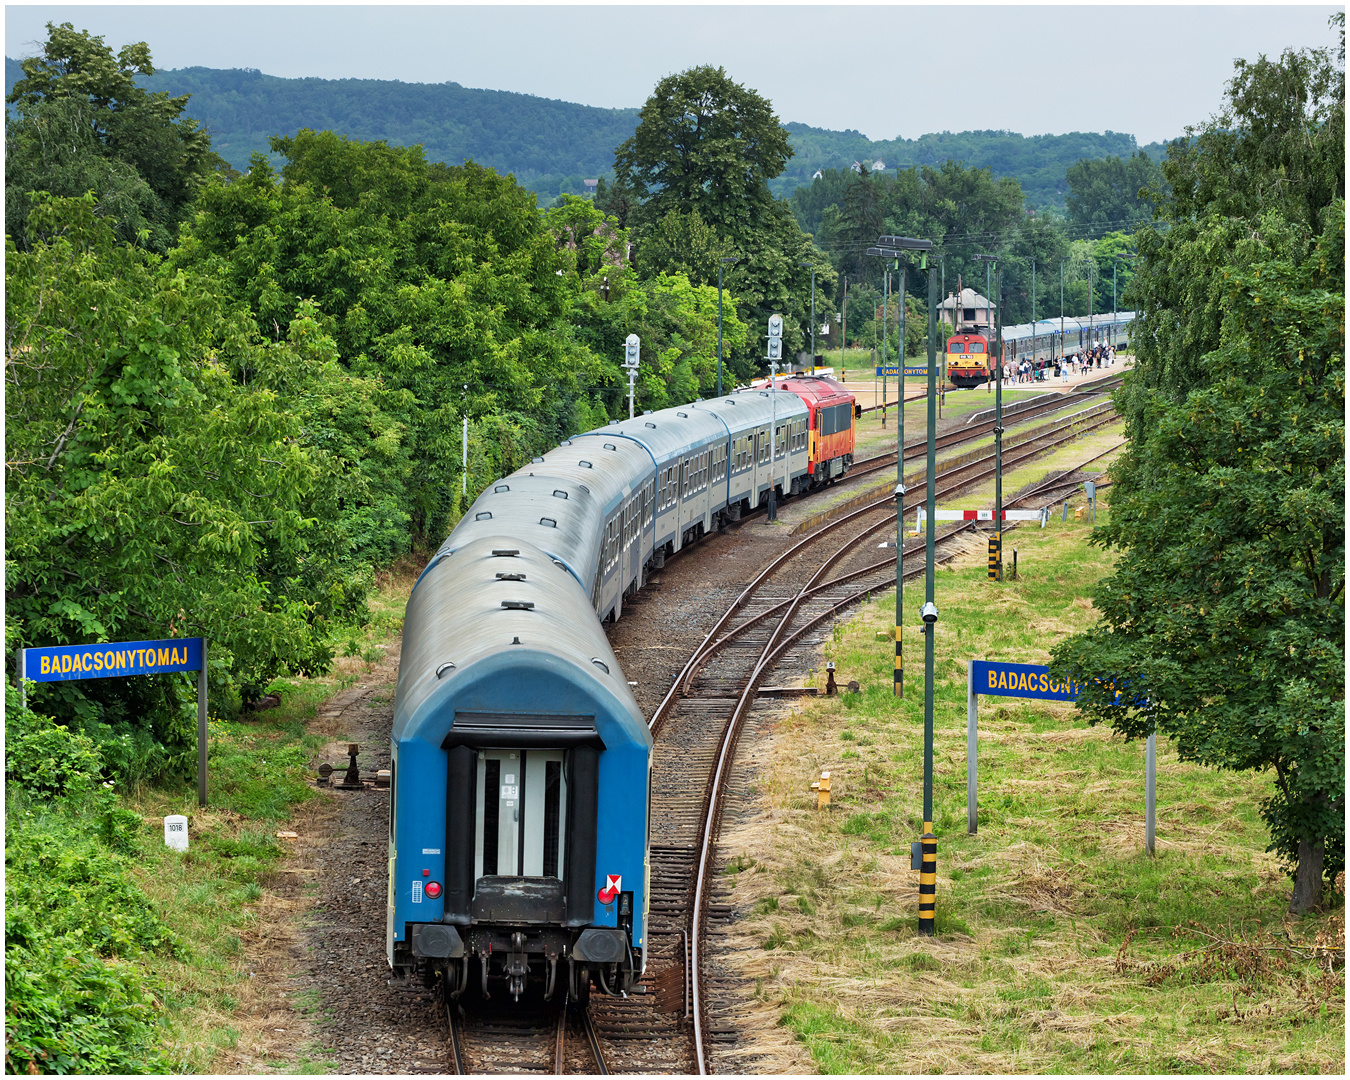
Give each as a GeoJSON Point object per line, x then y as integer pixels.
{"type": "Point", "coordinates": [896, 246]}
{"type": "Point", "coordinates": [1115, 269]}
{"type": "Point", "coordinates": [927, 843]}
{"type": "Point", "coordinates": [996, 539]}
{"type": "Point", "coordinates": [720, 262]}
{"type": "Point", "coordinates": [813, 313]}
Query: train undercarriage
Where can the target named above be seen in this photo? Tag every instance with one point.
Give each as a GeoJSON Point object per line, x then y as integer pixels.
{"type": "Point", "coordinates": [513, 958]}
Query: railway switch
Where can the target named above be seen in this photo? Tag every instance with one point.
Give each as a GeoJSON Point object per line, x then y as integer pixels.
{"type": "Point", "coordinates": [831, 687]}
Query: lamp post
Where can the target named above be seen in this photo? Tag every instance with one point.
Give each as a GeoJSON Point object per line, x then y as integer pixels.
{"type": "Point", "coordinates": [885, 310]}
{"type": "Point", "coordinates": [813, 313]}
{"type": "Point", "coordinates": [897, 245]}
{"type": "Point", "coordinates": [1091, 267]}
{"type": "Point", "coordinates": [732, 259]}
{"type": "Point", "coordinates": [929, 613]}
{"type": "Point", "coordinates": [996, 538]}
{"type": "Point", "coordinates": [1115, 268]}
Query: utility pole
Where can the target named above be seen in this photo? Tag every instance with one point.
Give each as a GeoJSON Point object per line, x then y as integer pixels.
{"type": "Point", "coordinates": [464, 464]}
{"type": "Point", "coordinates": [813, 314]}
{"type": "Point", "coordinates": [899, 683]}
{"type": "Point", "coordinates": [720, 263]}
{"type": "Point", "coordinates": [843, 330]}
{"type": "Point", "coordinates": [885, 305]}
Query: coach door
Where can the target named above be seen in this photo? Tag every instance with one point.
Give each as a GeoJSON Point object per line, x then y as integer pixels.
{"type": "Point", "coordinates": [521, 814]}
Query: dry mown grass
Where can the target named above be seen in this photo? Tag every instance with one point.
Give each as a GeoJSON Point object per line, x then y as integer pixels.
{"type": "Point", "coordinates": [1056, 949]}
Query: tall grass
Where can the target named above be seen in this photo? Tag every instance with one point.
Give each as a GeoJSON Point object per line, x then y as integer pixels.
{"type": "Point", "coordinates": [1061, 946]}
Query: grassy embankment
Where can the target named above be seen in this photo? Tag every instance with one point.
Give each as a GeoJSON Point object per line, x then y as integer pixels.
{"type": "Point", "coordinates": [152, 962]}
{"type": "Point", "coordinates": [1061, 946]}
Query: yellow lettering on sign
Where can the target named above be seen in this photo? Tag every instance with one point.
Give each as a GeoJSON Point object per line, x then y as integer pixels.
{"type": "Point", "coordinates": [1045, 680]}
{"type": "Point", "coordinates": [1003, 680]}
{"type": "Point", "coordinates": [121, 659]}
{"type": "Point", "coordinates": [66, 663]}
{"type": "Point", "coordinates": [46, 665]}
{"type": "Point", "coordinates": [993, 679]}
{"type": "Point", "coordinates": [164, 655]}
{"type": "Point", "coordinates": [98, 661]}
{"type": "Point", "coordinates": [87, 662]}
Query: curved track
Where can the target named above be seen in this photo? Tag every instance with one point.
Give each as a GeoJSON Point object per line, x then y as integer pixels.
{"type": "Point", "coordinates": [677, 1017]}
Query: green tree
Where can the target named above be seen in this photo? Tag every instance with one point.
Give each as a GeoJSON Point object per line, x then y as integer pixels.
{"type": "Point", "coordinates": [455, 281]}
{"type": "Point", "coordinates": [150, 491]}
{"type": "Point", "coordinates": [703, 152]}
{"type": "Point", "coordinates": [1226, 607]}
{"type": "Point", "coordinates": [80, 123]}
{"type": "Point", "coordinates": [616, 200]}
{"type": "Point", "coordinates": [1112, 192]}
{"type": "Point", "coordinates": [681, 243]}
{"type": "Point", "coordinates": [675, 318]}
{"type": "Point", "coordinates": [703, 143]}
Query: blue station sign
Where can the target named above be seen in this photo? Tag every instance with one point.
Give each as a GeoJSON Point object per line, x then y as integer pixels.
{"type": "Point", "coordinates": [893, 370]}
{"type": "Point", "coordinates": [112, 659]}
{"type": "Point", "coordinates": [1019, 680]}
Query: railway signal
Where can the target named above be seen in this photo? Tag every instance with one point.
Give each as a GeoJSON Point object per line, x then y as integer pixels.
{"type": "Point", "coordinates": [632, 345]}
{"type": "Point", "coordinates": [775, 355]}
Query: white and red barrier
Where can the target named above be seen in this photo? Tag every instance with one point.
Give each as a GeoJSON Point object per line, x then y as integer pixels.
{"type": "Point", "coordinates": [985, 515]}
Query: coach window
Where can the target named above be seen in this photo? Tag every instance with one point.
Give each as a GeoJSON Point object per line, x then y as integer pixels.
{"type": "Point", "coordinates": [521, 812]}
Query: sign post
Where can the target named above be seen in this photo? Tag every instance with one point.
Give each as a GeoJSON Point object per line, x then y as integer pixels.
{"type": "Point", "coordinates": [118, 659]}
{"type": "Point", "coordinates": [998, 679]}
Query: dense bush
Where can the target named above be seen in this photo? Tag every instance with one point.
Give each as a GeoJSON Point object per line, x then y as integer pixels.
{"type": "Point", "coordinates": [74, 917]}
{"type": "Point", "coordinates": [43, 758]}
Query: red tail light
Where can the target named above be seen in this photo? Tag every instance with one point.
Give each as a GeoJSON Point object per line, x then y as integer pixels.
{"type": "Point", "coordinates": [433, 889]}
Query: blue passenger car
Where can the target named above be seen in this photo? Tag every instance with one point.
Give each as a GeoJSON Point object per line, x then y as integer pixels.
{"type": "Point", "coordinates": [520, 779]}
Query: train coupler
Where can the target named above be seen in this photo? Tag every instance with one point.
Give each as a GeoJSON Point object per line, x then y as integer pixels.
{"type": "Point", "coordinates": [517, 965]}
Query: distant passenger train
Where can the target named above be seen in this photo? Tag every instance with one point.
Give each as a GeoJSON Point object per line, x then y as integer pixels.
{"type": "Point", "coordinates": [521, 763]}
{"type": "Point", "coordinates": [968, 352]}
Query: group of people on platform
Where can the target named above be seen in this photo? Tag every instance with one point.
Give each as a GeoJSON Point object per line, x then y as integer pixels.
{"type": "Point", "coordinates": [1026, 371]}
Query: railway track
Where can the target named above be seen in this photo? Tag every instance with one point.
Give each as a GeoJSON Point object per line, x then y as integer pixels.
{"type": "Point", "coordinates": [767, 627]}
{"type": "Point", "coordinates": [681, 1015]}
{"type": "Point", "coordinates": [919, 447]}
{"type": "Point", "coordinates": [530, 1037]}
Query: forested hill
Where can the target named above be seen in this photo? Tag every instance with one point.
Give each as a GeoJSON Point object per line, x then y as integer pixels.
{"type": "Point", "coordinates": [1037, 161]}
{"type": "Point", "coordinates": [552, 146]}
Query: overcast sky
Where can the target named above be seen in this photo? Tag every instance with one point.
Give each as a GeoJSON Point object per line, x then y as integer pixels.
{"type": "Point", "coordinates": [885, 70]}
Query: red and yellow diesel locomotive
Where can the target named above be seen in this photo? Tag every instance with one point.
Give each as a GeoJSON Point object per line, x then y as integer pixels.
{"type": "Point", "coordinates": [967, 359]}
{"type": "Point", "coordinates": [833, 410]}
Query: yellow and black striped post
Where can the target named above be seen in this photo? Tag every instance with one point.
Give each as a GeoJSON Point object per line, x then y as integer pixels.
{"type": "Point", "coordinates": [928, 882]}
{"type": "Point", "coordinates": [899, 687]}
{"type": "Point", "coordinates": [996, 556]}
